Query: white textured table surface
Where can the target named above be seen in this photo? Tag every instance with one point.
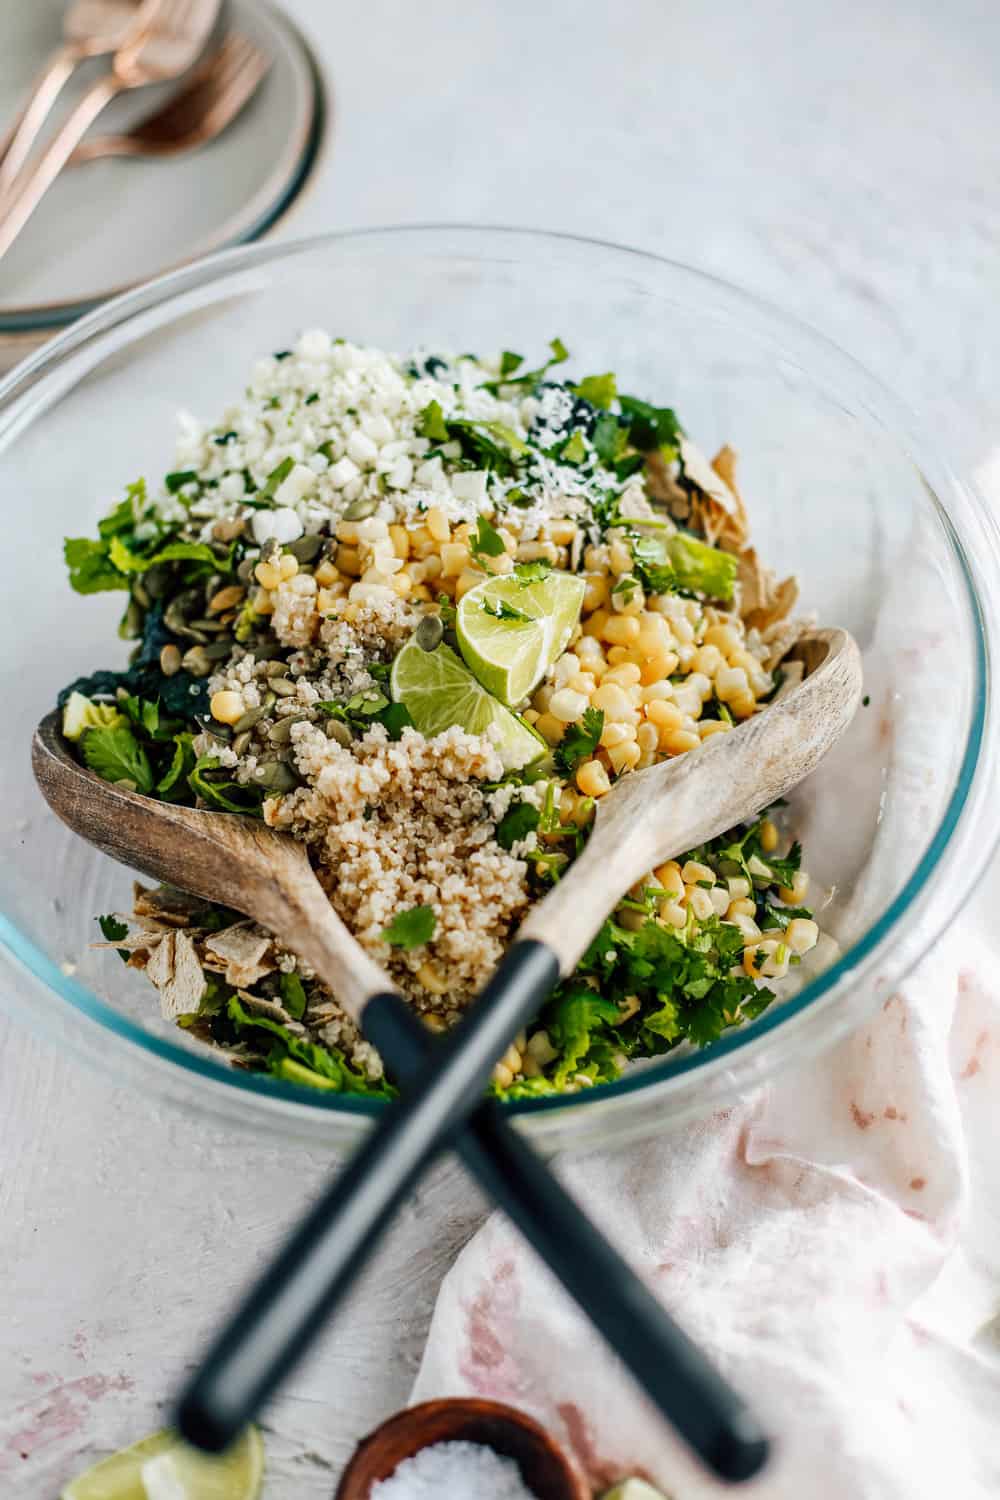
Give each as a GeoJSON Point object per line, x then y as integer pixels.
{"type": "Point", "coordinates": [841, 161]}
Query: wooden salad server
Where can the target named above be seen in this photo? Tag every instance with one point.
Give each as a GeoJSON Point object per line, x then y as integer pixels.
{"type": "Point", "coordinates": [648, 817]}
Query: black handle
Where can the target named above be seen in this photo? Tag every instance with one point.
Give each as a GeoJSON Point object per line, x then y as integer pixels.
{"type": "Point", "coordinates": [285, 1309]}
{"type": "Point", "coordinates": [672, 1371]}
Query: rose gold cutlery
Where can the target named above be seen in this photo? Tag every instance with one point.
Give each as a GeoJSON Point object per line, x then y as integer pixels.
{"type": "Point", "coordinates": [173, 42]}
{"type": "Point", "coordinates": [213, 97]}
{"type": "Point", "coordinates": [91, 28]}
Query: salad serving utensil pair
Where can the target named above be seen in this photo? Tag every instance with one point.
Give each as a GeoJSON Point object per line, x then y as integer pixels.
{"type": "Point", "coordinates": [647, 818]}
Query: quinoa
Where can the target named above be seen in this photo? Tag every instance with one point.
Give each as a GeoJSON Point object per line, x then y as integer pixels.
{"type": "Point", "coordinates": [292, 554]}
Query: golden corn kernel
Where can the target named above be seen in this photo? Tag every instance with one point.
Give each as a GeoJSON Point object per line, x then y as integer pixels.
{"type": "Point", "coordinates": [595, 593]}
{"type": "Point", "coordinates": [454, 559]}
{"type": "Point", "coordinates": [796, 893]}
{"type": "Point", "coordinates": [673, 914]}
{"type": "Point", "coordinates": [437, 524]}
{"type": "Point", "coordinates": [677, 741]}
{"type": "Point", "coordinates": [466, 581]}
{"type": "Point", "coordinates": [624, 757]}
{"type": "Point", "coordinates": [725, 637]}
{"type": "Point", "coordinates": [592, 779]}
{"type": "Point", "coordinates": [664, 713]}
{"type": "Point", "coordinates": [226, 707]}
{"type": "Point", "coordinates": [400, 538]}
{"type": "Point", "coordinates": [596, 623]}
{"type": "Point", "coordinates": [267, 575]}
{"type": "Point", "coordinates": [431, 980]}
{"type": "Point", "coordinates": [668, 877]}
{"type": "Point", "coordinates": [288, 566]}
{"type": "Point", "coordinates": [402, 583]}
{"type": "Point", "coordinates": [768, 836]}
{"type": "Point", "coordinates": [621, 630]}
{"type": "Point", "coordinates": [348, 561]}
{"type": "Point", "coordinates": [551, 728]}
{"type": "Point", "coordinates": [326, 574]}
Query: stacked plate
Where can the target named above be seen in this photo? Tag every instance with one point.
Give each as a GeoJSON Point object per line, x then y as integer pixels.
{"type": "Point", "coordinates": [106, 225]}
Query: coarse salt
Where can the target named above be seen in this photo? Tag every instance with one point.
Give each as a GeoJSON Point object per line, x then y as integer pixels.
{"type": "Point", "coordinates": [454, 1470]}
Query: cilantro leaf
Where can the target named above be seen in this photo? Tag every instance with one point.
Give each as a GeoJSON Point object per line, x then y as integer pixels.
{"type": "Point", "coordinates": [509, 362]}
{"type": "Point", "coordinates": [580, 741]}
{"type": "Point", "coordinates": [532, 572]}
{"type": "Point", "coordinates": [114, 931]}
{"type": "Point", "coordinates": [650, 427]}
{"type": "Point", "coordinates": [227, 795]}
{"type": "Point", "coordinates": [487, 541]}
{"type": "Point", "coordinates": [431, 423]}
{"type": "Point", "coordinates": [529, 378]}
{"type": "Point", "coordinates": [293, 995]}
{"type": "Point", "coordinates": [179, 478]}
{"type": "Point", "coordinates": [785, 870]}
{"type": "Point", "coordinates": [599, 390]}
{"type": "Point", "coordinates": [702, 567]}
{"type": "Point", "coordinates": [572, 1020]}
{"type": "Point", "coordinates": [499, 609]}
{"type": "Point", "coordinates": [520, 819]}
{"type": "Point", "coordinates": [609, 438]}
{"type": "Point", "coordinates": [411, 928]}
{"type": "Point", "coordinates": [574, 450]}
{"type": "Point", "coordinates": [91, 570]}
{"type": "Point", "coordinates": [116, 755]}
{"type": "Point", "coordinates": [276, 477]}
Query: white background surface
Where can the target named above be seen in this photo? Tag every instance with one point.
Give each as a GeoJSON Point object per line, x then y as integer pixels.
{"type": "Point", "coordinates": [839, 160]}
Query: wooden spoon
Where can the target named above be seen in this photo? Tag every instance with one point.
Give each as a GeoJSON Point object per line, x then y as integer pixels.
{"type": "Point", "coordinates": [648, 817]}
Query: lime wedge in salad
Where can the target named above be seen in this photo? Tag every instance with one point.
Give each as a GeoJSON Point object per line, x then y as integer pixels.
{"type": "Point", "coordinates": [511, 631]}
{"type": "Point", "coordinates": [161, 1467]}
{"type": "Point", "coordinates": [438, 690]}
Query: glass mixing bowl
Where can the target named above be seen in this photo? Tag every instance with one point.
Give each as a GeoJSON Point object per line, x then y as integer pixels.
{"type": "Point", "coordinates": [843, 489]}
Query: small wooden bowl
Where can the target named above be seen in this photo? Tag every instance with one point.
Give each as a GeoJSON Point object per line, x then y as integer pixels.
{"type": "Point", "coordinates": [546, 1469]}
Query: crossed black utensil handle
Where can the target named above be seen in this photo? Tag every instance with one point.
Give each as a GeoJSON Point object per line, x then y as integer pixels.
{"type": "Point", "coordinates": [442, 1106]}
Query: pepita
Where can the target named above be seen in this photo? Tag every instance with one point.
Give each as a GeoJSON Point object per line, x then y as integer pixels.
{"type": "Point", "coordinates": [156, 581]}
{"type": "Point", "coordinates": [225, 599]}
{"type": "Point", "coordinates": [170, 660]}
{"type": "Point", "coordinates": [275, 776]}
{"type": "Point", "coordinates": [196, 662]}
{"type": "Point", "coordinates": [140, 594]}
{"type": "Point", "coordinates": [281, 732]}
{"type": "Point", "coordinates": [305, 548]}
{"type": "Point", "coordinates": [241, 741]}
{"type": "Point", "coordinates": [245, 570]}
{"type": "Point", "coordinates": [249, 719]}
{"type": "Point", "coordinates": [227, 529]}
{"type": "Point", "coordinates": [219, 649]}
{"type": "Point", "coordinates": [277, 668]}
{"type": "Point", "coordinates": [337, 730]}
{"type": "Point", "coordinates": [429, 632]}
{"type": "Point", "coordinates": [361, 509]}
{"type": "Point", "coordinates": [284, 687]}
{"type": "Point", "coordinates": [176, 614]}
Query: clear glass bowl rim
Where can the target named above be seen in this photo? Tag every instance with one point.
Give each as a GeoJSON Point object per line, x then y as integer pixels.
{"type": "Point", "coordinates": [33, 384]}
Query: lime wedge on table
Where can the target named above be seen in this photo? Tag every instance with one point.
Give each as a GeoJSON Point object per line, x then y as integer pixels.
{"type": "Point", "coordinates": [634, 1489]}
{"type": "Point", "coordinates": [438, 690]}
{"type": "Point", "coordinates": [511, 632]}
{"type": "Point", "coordinates": [161, 1467]}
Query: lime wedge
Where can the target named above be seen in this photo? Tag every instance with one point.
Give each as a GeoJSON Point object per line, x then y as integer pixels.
{"type": "Point", "coordinates": [511, 632]}
{"type": "Point", "coordinates": [438, 690]}
{"type": "Point", "coordinates": [634, 1489]}
{"type": "Point", "coordinates": [161, 1467]}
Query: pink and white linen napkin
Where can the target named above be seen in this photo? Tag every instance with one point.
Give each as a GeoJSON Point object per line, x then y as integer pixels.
{"type": "Point", "coordinates": [833, 1242]}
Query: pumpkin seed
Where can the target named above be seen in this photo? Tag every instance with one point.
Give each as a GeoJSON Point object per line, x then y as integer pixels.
{"type": "Point", "coordinates": [249, 719]}
{"type": "Point", "coordinates": [225, 599]}
{"type": "Point", "coordinates": [245, 570]}
{"type": "Point", "coordinates": [284, 687]}
{"type": "Point", "coordinates": [270, 552]}
{"type": "Point", "coordinates": [209, 627]}
{"type": "Point", "coordinates": [196, 662]}
{"type": "Point", "coordinates": [281, 732]}
{"type": "Point", "coordinates": [139, 593]}
{"type": "Point", "coordinates": [268, 651]}
{"type": "Point", "coordinates": [241, 741]}
{"type": "Point", "coordinates": [219, 649]}
{"type": "Point", "coordinates": [429, 632]}
{"type": "Point", "coordinates": [337, 730]}
{"type": "Point", "coordinates": [275, 776]}
{"type": "Point", "coordinates": [170, 660]}
{"type": "Point", "coordinates": [175, 616]}
{"type": "Point", "coordinates": [228, 529]}
{"type": "Point", "coordinates": [360, 510]}
{"type": "Point", "coordinates": [277, 668]}
{"type": "Point", "coordinates": [305, 548]}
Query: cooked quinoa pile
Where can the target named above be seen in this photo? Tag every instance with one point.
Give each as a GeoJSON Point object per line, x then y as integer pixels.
{"type": "Point", "coordinates": [421, 613]}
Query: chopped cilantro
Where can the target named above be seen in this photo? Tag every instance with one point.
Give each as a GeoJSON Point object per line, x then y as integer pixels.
{"type": "Point", "coordinates": [509, 362]}
{"type": "Point", "coordinates": [487, 541]}
{"type": "Point", "coordinates": [609, 438]}
{"type": "Point", "coordinates": [520, 819]}
{"type": "Point", "coordinates": [114, 931]}
{"type": "Point", "coordinates": [650, 427]}
{"type": "Point", "coordinates": [116, 755]}
{"type": "Point", "coordinates": [276, 477]}
{"type": "Point", "coordinates": [532, 572]}
{"type": "Point", "coordinates": [431, 423]}
{"type": "Point", "coordinates": [599, 390]}
{"type": "Point", "coordinates": [179, 478]}
{"type": "Point", "coordinates": [580, 741]}
{"type": "Point", "coordinates": [411, 928]}
{"type": "Point", "coordinates": [293, 995]}
{"type": "Point", "coordinates": [311, 399]}
{"type": "Point", "coordinates": [501, 610]}
{"type": "Point", "coordinates": [574, 449]}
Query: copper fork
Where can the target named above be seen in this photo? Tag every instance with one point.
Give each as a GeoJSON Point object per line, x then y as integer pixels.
{"type": "Point", "coordinates": [215, 94]}
{"type": "Point", "coordinates": [91, 28]}
{"type": "Point", "coordinates": [171, 46]}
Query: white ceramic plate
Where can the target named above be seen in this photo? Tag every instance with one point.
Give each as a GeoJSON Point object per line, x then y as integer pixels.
{"type": "Point", "coordinates": [108, 224]}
